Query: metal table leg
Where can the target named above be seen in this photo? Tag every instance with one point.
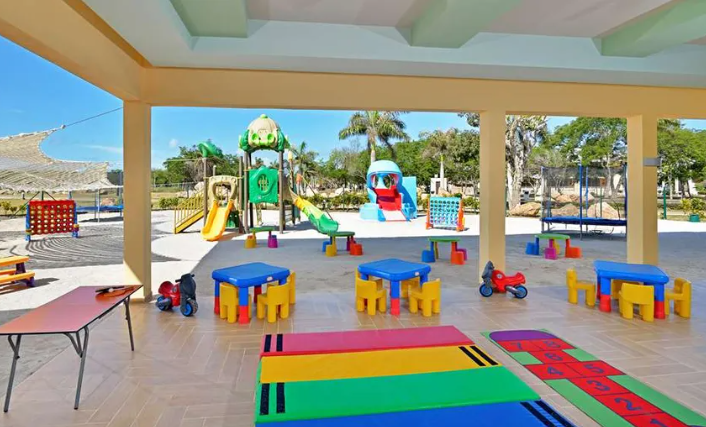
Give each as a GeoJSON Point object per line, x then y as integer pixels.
{"type": "Point", "coordinates": [81, 350]}
{"type": "Point", "coordinates": [16, 355]}
{"type": "Point", "coordinates": [129, 322]}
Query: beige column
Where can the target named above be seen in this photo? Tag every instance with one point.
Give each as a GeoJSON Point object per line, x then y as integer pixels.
{"type": "Point", "coordinates": [137, 252]}
{"type": "Point", "coordinates": [492, 189]}
{"type": "Point", "coordinates": [642, 191]}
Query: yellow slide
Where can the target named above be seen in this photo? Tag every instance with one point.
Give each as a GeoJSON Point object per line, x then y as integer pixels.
{"type": "Point", "coordinates": [216, 221]}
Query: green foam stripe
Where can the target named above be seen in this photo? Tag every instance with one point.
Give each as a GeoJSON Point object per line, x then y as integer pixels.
{"type": "Point", "coordinates": [524, 358]}
{"type": "Point", "coordinates": [677, 410]}
{"type": "Point", "coordinates": [580, 355]}
{"type": "Point", "coordinates": [360, 396]}
{"type": "Point", "coordinates": [587, 404]}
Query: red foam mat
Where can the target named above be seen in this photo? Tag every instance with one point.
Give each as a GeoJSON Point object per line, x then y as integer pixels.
{"type": "Point", "coordinates": [365, 340]}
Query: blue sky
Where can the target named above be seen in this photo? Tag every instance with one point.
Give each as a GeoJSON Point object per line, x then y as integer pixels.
{"type": "Point", "coordinates": [37, 95]}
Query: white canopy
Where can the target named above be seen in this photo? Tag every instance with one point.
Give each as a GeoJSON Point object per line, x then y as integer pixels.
{"type": "Point", "coordinates": [25, 167]}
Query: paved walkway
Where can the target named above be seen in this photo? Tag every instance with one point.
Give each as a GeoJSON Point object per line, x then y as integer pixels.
{"type": "Point", "coordinates": [200, 371]}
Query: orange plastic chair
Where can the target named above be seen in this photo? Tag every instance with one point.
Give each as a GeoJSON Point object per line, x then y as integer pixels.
{"type": "Point", "coordinates": [275, 299]}
{"type": "Point", "coordinates": [430, 296]}
{"type": "Point", "coordinates": [681, 295]}
{"type": "Point", "coordinates": [574, 286]}
{"type": "Point", "coordinates": [641, 295]}
{"type": "Point", "coordinates": [369, 292]}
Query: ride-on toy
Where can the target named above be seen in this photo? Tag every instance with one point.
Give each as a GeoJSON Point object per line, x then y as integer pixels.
{"type": "Point", "coordinates": [182, 294]}
{"type": "Point", "coordinates": [496, 281]}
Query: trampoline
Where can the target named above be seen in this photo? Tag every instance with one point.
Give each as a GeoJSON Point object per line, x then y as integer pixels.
{"type": "Point", "coordinates": [584, 196]}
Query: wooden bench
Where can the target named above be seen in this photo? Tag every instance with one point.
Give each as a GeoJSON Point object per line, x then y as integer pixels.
{"type": "Point", "coordinates": [17, 271]}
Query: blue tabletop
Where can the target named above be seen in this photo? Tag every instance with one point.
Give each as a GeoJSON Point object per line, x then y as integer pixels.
{"type": "Point", "coordinates": [394, 269]}
{"type": "Point", "coordinates": [633, 272]}
{"type": "Point", "coordinates": [252, 274]}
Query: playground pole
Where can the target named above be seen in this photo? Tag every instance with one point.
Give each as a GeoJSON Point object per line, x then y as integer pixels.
{"type": "Point", "coordinates": [282, 183]}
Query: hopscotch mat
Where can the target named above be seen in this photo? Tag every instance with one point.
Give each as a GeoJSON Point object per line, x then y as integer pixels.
{"type": "Point", "coordinates": [601, 391]}
{"type": "Point", "coordinates": [391, 378]}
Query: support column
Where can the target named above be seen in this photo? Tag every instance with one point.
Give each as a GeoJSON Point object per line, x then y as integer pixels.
{"type": "Point", "coordinates": [137, 141]}
{"type": "Point", "coordinates": [492, 189]}
{"type": "Point", "coordinates": [642, 191]}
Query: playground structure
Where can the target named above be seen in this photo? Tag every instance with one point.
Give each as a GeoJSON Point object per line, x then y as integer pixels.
{"type": "Point", "coordinates": [584, 196]}
{"type": "Point", "coordinates": [445, 212]}
{"type": "Point", "coordinates": [51, 217]}
{"type": "Point", "coordinates": [258, 186]}
{"type": "Point", "coordinates": [394, 200]}
{"type": "Point", "coordinates": [220, 210]}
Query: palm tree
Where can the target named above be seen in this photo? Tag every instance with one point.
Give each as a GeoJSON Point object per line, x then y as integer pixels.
{"type": "Point", "coordinates": [376, 126]}
{"type": "Point", "coordinates": [304, 161]}
{"type": "Point", "coordinates": [438, 145]}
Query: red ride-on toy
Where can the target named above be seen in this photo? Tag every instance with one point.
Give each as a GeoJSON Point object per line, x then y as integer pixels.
{"type": "Point", "coordinates": [496, 281]}
{"type": "Point", "coordinates": [182, 294]}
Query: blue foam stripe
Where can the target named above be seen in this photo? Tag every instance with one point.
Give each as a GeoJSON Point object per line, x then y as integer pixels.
{"type": "Point", "coordinates": [498, 414]}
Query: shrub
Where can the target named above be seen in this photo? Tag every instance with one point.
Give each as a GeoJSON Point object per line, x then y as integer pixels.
{"type": "Point", "coordinates": [471, 203]}
{"type": "Point", "coordinates": [168, 202]}
{"type": "Point", "coordinates": [686, 205]}
{"type": "Point", "coordinates": [6, 206]}
{"type": "Point", "coordinates": [697, 206]}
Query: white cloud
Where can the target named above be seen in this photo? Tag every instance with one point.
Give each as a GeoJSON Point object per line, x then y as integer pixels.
{"type": "Point", "coordinates": [173, 143]}
{"type": "Point", "coordinates": [106, 148]}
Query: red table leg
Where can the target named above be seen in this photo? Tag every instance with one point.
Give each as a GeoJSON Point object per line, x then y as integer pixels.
{"type": "Point", "coordinates": [244, 318]}
{"type": "Point", "coordinates": [605, 303]}
{"type": "Point", "coordinates": [395, 306]}
{"type": "Point", "coordinates": [659, 310]}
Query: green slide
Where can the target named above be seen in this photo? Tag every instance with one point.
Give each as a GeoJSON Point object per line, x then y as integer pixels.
{"type": "Point", "coordinates": [323, 223]}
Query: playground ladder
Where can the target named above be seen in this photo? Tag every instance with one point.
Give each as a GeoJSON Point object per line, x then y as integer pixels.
{"type": "Point", "coordinates": [187, 212]}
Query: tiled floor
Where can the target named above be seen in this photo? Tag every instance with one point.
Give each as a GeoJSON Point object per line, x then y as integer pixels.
{"type": "Point", "coordinates": [200, 371]}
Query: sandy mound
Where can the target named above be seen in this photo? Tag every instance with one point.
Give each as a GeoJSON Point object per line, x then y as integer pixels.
{"type": "Point", "coordinates": [528, 209]}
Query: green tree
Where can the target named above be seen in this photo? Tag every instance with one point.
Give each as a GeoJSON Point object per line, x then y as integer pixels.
{"type": "Point", "coordinates": [683, 153]}
{"type": "Point", "coordinates": [464, 152]}
{"type": "Point", "coordinates": [523, 133]}
{"type": "Point", "coordinates": [376, 126]}
{"type": "Point", "coordinates": [188, 165]}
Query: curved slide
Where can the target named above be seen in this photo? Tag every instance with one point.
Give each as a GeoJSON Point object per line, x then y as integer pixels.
{"type": "Point", "coordinates": [216, 221]}
{"type": "Point", "coordinates": [323, 223]}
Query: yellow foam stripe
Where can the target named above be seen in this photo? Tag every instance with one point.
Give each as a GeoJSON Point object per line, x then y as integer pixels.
{"type": "Point", "coordinates": [367, 364]}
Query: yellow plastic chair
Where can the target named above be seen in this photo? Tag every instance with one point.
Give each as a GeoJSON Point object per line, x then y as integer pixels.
{"type": "Point", "coordinates": [430, 296]}
{"type": "Point", "coordinates": [229, 303]}
{"type": "Point", "coordinates": [276, 298]}
{"type": "Point", "coordinates": [641, 295]}
{"type": "Point", "coordinates": [407, 286]}
{"type": "Point", "coordinates": [616, 285]}
{"type": "Point", "coordinates": [574, 286]}
{"type": "Point", "coordinates": [372, 279]}
{"type": "Point", "coordinates": [292, 282]}
{"type": "Point", "coordinates": [369, 292]}
{"type": "Point", "coordinates": [681, 295]}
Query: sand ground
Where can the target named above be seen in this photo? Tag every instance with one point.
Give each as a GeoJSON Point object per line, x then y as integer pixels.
{"type": "Point", "coordinates": [62, 263]}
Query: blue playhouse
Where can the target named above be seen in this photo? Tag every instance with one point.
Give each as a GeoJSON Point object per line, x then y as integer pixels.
{"type": "Point", "coordinates": [393, 197]}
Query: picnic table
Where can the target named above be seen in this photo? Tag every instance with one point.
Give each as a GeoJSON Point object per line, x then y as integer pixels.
{"type": "Point", "coordinates": [17, 271]}
{"type": "Point", "coordinates": [648, 275]}
{"type": "Point", "coordinates": [395, 270]}
{"type": "Point", "coordinates": [67, 315]}
{"type": "Point", "coordinates": [244, 276]}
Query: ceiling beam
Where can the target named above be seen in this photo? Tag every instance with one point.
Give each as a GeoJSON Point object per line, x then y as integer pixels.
{"type": "Point", "coordinates": [214, 18]}
{"type": "Point", "coordinates": [320, 91]}
{"type": "Point", "coordinates": [677, 24]}
{"type": "Point", "coordinates": [452, 23]}
{"type": "Point", "coordinates": [56, 31]}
